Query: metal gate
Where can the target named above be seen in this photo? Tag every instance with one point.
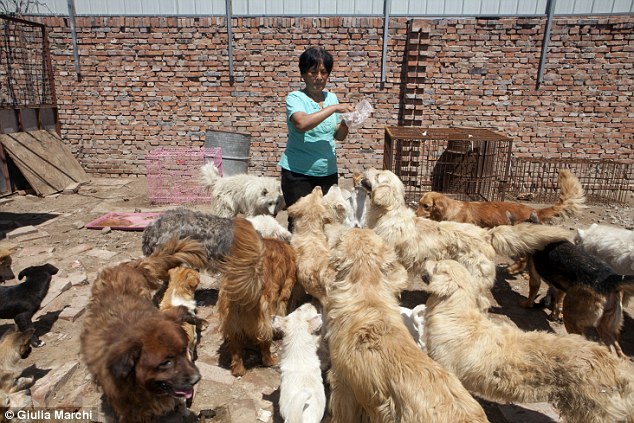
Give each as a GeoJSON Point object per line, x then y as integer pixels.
{"type": "Point", "coordinates": [27, 88]}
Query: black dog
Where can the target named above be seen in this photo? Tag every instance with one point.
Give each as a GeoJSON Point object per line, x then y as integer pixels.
{"type": "Point", "coordinates": [588, 292]}
{"type": "Point", "coordinates": [20, 302]}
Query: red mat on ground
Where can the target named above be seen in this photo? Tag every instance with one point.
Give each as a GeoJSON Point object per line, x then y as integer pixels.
{"type": "Point", "coordinates": [124, 221]}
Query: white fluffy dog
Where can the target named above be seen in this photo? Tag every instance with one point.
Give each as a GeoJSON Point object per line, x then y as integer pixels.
{"type": "Point", "coordinates": [242, 194]}
{"type": "Point", "coordinates": [416, 239]}
{"type": "Point", "coordinates": [612, 244]}
{"type": "Point", "coordinates": [501, 363]}
{"type": "Point", "coordinates": [302, 396]}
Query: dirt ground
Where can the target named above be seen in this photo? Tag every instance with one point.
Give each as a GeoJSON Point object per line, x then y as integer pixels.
{"type": "Point", "coordinates": [54, 232]}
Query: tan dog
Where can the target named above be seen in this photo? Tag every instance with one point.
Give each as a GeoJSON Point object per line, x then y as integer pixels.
{"type": "Point", "coordinates": [5, 264]}
{"type": "Point", "coordinates": [488, 214]}
{"type": "Point", "coordinates": [136, 353]}
{"type": "Point", "coordinates": [378, 373]}
{"type": "Point", "coordinates": [180, 291]}
{"type": "Point", "coordinates": [416, 239]}
{"type": "Point", "coordinates": [14, 345]}
{"type": "Point", "coordinates": [501, 363]}
{"type": "Point", "coordinates": [310, 216]}
{"type": "Point", "coordinates": [257, 278]}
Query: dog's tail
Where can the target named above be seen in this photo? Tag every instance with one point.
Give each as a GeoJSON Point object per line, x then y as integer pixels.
{"type": "Point", "coordinates": [209, 175]}
{"type": "Point", "coordinates": [525, 238]}
{"type": "Point", "coordinates": [173, 253]}
{"type": "Point", "coordinates": [243, 268]}
{"type": "Point", "coordinates": [571, 202]}
{"type": "Point", "coordinates": [295, 412]}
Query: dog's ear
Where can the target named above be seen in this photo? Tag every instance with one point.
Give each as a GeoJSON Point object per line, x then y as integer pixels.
{"type": "Point", "coordinates": [123, 358]}
{"type": "Point", "coordinates": [438, 207]}
{"type": "Point", "coordinates": [51, 269]}
{"type": "Point", "coordinates": [440, 278]}
{"type": "Point", "coordinates": [180, 315]}
{"type": "Point", "coordinates": [26, 272]}
{"type": "Point", "coordinates": [318, 192]}
{"type": "Point", "coordinates": [385, 196]}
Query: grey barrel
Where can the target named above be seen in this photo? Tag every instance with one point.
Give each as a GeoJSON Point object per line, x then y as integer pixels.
{"type": "Point", "coordinates": [235, 150]}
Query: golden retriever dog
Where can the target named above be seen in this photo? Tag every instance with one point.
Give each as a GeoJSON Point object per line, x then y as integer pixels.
{"type": "Point", "coordinates": [378, 373]}
{"type": "Point", "coordinates": [502, 363]}
{"type": "Point", "coordinates": [180, 291]}
{"type": "Point", "coordinates": [135, 353]}
{"type": "Point", "coordinates": [417, 239]}
{"type": "Point", "coordinates": [310, 216]}
{"type": "Point", "coordinates": [257, 278]}
{"type": "Point", "coordinates": [488, 214]}
{"type": "Point", "coordinates": [5, 264]}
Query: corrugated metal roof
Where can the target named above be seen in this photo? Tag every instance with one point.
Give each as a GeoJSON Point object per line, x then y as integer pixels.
{"type": "Point", "coordinates": [414, 8]}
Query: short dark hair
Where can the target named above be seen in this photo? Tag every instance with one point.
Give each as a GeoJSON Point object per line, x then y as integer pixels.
{"type": "Point", "coordinates": [313, 57]}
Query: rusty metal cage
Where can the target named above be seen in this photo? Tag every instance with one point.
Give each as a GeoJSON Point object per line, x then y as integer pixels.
{"type": "Point", "coordinates": [604, 181]}
{"type": "Point", "coordinates": [465, 163]}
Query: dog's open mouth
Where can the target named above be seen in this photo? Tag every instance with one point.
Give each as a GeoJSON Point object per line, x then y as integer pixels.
{"type": "Point", "coordinates": [178, 391]}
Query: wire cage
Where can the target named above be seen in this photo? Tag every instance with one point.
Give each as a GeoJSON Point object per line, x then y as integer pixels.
{"type": "Point", "coordinates": [465, 163]}
{"type": "Point", "coordinates": [173, 174]}
{"type": "Point", "coordinates": [604, 181]}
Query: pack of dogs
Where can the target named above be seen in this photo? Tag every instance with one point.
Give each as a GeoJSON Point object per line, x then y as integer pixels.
{"type": "Point", "coordinates": [331, 289]}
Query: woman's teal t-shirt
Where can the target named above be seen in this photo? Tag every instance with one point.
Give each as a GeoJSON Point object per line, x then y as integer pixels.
{"type": "Point", "coordinates": [312, 152]}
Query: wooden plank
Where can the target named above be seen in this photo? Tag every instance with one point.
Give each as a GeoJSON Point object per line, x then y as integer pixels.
{"type": "Point", "coordinates": [44, 160]}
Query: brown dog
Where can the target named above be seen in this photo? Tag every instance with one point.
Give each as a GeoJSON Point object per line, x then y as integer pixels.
{"type": "Point", "coordinates": [487, 214]}
{"type": "Point", "coordinates": [14, 345]}
{"type": "Point", "coordinates": [378, 373]}
{"type": "Point", "coordinates": [136, 353]}
{"type": "Point", "coordinates": [5, 264]}
{"type": "Point", "coordinates": [180, 291]}
{"type": "Point", "coordinates": [257, 277]}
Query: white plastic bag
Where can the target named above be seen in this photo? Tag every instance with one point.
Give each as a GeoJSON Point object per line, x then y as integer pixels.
{"type": "Point", "coordinates": [355, 119]}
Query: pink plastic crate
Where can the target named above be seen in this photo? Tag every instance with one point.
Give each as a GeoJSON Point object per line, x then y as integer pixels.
{"type": "Point", "coordinates": [173, 174]}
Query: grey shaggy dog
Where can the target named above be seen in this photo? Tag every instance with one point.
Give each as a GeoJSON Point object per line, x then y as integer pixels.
{"type": "Point", "coordinates": [214, 232]}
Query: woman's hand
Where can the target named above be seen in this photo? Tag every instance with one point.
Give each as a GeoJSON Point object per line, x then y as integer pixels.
{"type": "Point", "coordinates": [305, 122]}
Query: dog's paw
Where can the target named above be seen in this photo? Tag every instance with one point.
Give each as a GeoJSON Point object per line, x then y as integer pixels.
{"type": "Point", "coordinates": [554, 317]}
{"type": "Point", "coordinates": [37, 343]}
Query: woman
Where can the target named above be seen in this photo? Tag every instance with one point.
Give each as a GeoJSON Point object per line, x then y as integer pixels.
{"type": "Point", "coordinates": [312, 118]}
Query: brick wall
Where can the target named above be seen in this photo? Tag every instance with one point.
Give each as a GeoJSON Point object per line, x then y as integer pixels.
{"type": "Point", "coordinates": [155, 81]}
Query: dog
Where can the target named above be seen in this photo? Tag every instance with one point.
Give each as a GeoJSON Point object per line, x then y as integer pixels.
{"type": "Point", "coordinates": [180, 291]}
{"type": "Point", "coordinates": [242, 194]}
{"type": "Point", "coordinates": [378, 373]}
{"type": "Point", "coordinates": [488, 214]}
{"type": "Point", "coordinates": [256, 280]}
{"type": "Point", "coordinates": [268, 227]}
{"type": "Point", "coordinates": [5, 264]}
{"type": "Point", "coordinates": [310, 216]}
{"type": "Point", "coordinates": [14, 345]}
{"type": "Point", "coordinates": [20, 302]}
{"type": "Point", "coordinates": [214, 232]}
{"type": "Point", "coordinates": [589, 293]}
{"type": "Point", "coordinates": [135, 353]}
{"type": "Point", "coordinates": [501, 363]}
{"type": "Point", "coordinates": [612, 244]}
{"type": "Point", "coordinates": [302, 396]}
{"type": "Point", "coordinates": [417, 239]}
